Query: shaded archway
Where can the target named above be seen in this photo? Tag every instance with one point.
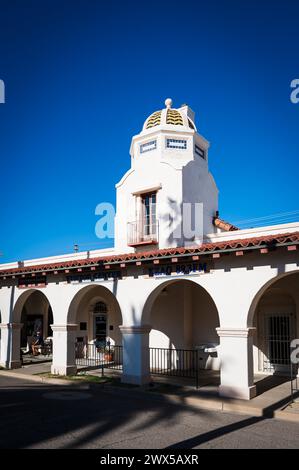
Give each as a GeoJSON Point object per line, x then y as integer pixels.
{"type": "Point", "coordinates": [33, 311]}
{"type": "Point", "coordinates": [95, 309]}
{"type": "Point", "coordinates": [183, 315]}
{"type": "Point", "coordinates": [274, 315]}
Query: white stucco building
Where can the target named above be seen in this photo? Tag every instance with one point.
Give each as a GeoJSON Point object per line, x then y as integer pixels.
{"type": "Point", "coordinates": [231, 293]}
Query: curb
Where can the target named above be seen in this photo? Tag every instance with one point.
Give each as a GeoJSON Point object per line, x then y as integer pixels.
{"type": "Point", "coordinates": [286, 416]}
{"type": "Point", "coordinates": [36, 378]}
{"type": "Point", "coordinates": [177, 400]}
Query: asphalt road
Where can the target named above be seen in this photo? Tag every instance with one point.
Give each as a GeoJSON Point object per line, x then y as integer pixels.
{"type": "Point", "coordinates": [46, 416]}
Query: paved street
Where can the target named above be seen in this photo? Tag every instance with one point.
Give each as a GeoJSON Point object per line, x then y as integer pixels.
{"type": "Point", "coordinates": [37, 415]}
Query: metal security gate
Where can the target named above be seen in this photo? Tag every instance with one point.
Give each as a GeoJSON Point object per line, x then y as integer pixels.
{"type": "Point", "coordinates": [279, 332]}
{"type": "Point", "coordinates": [93, 357]}
{"type": "Point", "coordinates": [175, 362]}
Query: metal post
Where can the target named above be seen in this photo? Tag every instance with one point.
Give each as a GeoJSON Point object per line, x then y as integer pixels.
{"type": "Point", "coordinates": [291, 374]}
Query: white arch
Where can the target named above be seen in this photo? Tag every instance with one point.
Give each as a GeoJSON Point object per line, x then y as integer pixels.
{"type": "Point", "coordinates": [260, 293]}
{"type": "Point", "coordinates": [21, 301]}
{"type": "Point", "coordinates": [149, 301]}
{"type": "Point", "coordinates": [79, 296]}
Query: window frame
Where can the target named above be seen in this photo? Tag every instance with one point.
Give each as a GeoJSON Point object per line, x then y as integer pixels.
{"type": "Point", "coordinates": [168, 141]}
{"type": "Point", "coordinates": [198, 149]}
{"type": "Point", "coordinates": [100, 309]}
{"type": "Point", "coordinates": [148, 213]}
{"type": "Point", "coordinates": [143, 147]}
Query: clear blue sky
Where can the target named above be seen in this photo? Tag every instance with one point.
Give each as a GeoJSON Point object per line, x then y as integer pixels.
{"type": "Point", "coordinates": [82, 76]}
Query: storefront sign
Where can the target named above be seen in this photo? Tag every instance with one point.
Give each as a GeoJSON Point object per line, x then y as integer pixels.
{"type": "Point", "coordinates": [98, 276]}
{"type": "Point", "coordinates": [178, 269]}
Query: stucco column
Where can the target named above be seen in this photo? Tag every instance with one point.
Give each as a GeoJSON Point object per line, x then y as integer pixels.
{"type": "Point", "coordinates": [10, 345]}
{"type": "Point", "coordinates": [136, 368]}
{"type": "Point", "coordinates": [236, 363]}
{"type": "Point", "coordinates": [187, 319]}
{"type": "Point", "coordinates": [64, 361]}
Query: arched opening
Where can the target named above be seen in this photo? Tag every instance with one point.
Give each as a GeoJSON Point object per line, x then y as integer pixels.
{"type": "Point", "coordinates": [183, 317]}
{"type": "Point", "coordinates": [34, 312]}
{"type": "Point", "coordinates": [97, 314]}
{"type": "Point", "coordinates": [0, 333]}
{"type": "Point", "coordinates": [275, 318]}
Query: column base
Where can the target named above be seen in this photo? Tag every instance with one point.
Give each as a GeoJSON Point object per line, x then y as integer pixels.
{"type": "Point", "coordinates": [136, 379]}
{"type": "Point", "coordinates": [11, 365]}
{"type": "Point", "coordinates": [15, 364]}
{"type": "Point", "coordinates": [63, 370]}
{"type": "Point", "coordinates": [242, 393]}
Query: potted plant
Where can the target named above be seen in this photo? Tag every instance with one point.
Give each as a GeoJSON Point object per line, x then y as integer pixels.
{"type": "Point", "coordinates": [108, 353]}
{"type": "Point", "coordinates": [100, 349]}
{"type": "Point", "coordinates": [104, 350]}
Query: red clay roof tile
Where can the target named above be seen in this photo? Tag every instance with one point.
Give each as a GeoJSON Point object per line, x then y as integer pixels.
{"type": "Point", "coordinates": [224, 225]}
{"type": "Point", "coordinates": [205, 248]}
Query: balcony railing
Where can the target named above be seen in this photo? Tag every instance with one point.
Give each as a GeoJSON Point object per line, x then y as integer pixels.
{"type": "Point", "coordinates": [141, 232]}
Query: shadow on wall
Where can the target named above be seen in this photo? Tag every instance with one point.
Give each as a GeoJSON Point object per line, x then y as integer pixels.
{"type": "Point", "coordinates": [183, 316]}
{"type": "Point", "coordinates": [194, 176]}
{"type": "Point", "coordinates": [173, 214]}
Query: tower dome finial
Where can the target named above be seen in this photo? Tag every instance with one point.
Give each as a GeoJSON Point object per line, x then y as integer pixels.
{"type": "Point", "coordinates": [168, 103]}
{"type": "Point", "coordinates": [170, 117]}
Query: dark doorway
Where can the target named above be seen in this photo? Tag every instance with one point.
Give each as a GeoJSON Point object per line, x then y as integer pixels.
{"type": "Point", "coordinates": [31, 324]}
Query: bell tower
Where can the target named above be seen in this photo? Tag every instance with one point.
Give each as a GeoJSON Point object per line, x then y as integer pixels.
{"type": "Point", "coordinates": [168, 198]}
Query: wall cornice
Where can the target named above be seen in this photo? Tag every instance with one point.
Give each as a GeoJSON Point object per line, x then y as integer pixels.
{"type": "Point", "coordinates": [235, 332]}
{"type": "Point", "coordinates": [141, 329]}
{"type": "Point", "coordinates": [67, 327]}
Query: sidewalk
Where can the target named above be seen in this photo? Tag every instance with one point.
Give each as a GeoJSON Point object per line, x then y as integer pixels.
{"type": "Point", "coordinates": [273, 403]}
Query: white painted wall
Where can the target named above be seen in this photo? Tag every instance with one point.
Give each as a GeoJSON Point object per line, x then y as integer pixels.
{"type": "Point", "coordinates": [233, 283]}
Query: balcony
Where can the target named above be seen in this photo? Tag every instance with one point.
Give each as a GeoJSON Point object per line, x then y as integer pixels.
{"type": "Point", "coordinates": [142, 233]}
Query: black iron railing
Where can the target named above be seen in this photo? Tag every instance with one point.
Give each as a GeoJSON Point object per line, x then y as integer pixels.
{"type": "Point", "coordinates": [163, 361]}
{"type": "Point", "coordinates": [175, 362]}
{"type": "Point", "coordinates": [90, 355]}
{"type": "Point", "coordinates": [143, 231]}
